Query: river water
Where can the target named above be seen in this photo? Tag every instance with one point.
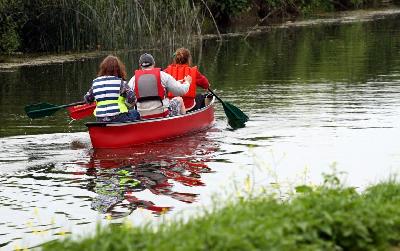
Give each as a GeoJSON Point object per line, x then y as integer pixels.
{"type": "Point", "coordinates": [320, 98]}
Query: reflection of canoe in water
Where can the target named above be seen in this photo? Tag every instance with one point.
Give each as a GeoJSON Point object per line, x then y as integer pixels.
{"type": "Point", "coordinates": [191, 148]}
{"type": "Point", "coordinates": [122, 178]}
{"type": "Point", "coordinates": [119, 135]}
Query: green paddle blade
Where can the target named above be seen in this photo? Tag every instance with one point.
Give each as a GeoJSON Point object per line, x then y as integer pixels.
{"type": "Point", "coordinates": [41, 110]}
{"type": "Point", "coordinates": [236, 118]}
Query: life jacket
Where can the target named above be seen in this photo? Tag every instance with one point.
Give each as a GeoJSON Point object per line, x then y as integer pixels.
{"type": "Point", "coordinates": [179, 71]}
{"type": "Point", "coordinates": [106, 91]}
{"type": "Point", "coordinates": [148, 87]}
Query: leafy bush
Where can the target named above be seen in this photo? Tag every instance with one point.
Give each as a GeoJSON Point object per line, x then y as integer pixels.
{"type": "Point", "coordinates": [328, 217]}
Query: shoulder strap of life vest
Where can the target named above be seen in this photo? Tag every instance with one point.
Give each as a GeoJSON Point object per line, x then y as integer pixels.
{"type": "Point", "coordinates": [148, 85]}
{"type": "Point", "coordinates": [179, 72]}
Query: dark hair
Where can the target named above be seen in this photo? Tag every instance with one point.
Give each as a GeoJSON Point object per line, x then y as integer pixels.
{"type": "Point", "coordinates": [112, 66]}
{"type": "Point", "coordinates": [182, 56]}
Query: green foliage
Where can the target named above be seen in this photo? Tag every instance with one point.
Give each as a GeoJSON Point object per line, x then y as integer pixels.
{"type": "Point", "coordinates": [9, 37]}
{"type": "Point", "coordinates": [11, 20]}
{"type": "Point", "coordinates": [230, 8]}
{"type": "Point", "coordinates": [319, 218]}
{"type": "Point", "coordinates": [310, 6]}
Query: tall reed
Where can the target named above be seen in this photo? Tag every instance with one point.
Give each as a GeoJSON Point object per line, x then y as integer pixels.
{"type": "Point", "coordinates": [112, 24]}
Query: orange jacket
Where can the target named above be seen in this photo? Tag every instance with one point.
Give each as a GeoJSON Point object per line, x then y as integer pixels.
{"type": "Point", "coordinates": [179, 71]}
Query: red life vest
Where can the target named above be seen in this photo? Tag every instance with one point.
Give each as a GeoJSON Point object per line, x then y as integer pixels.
{"type": "Point", "coordinates": [148, 85]}
{"type": "Point", "coordinates": [179, 71]}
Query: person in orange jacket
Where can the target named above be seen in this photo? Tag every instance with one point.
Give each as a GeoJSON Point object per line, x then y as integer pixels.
{"type": "Point", "coordinates": [181, 67]}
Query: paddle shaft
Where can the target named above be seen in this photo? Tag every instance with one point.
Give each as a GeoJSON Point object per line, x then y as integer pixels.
{"type": "Point", "coordinates": [45, 109]}
{"type": "Point", "coordinates": [60, 107]}
{"type": "Point", "coordinates": [73, 104]}
{"type": "Point", "coordinates": [215, 95]}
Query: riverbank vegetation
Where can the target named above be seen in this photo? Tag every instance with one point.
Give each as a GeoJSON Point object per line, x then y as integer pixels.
{"type": "Point", "coordinates": [87, 25]}
{"type": "Point", "coordinates": [326, 217]}
{"type": "Point", "coordinates": [64, 25]}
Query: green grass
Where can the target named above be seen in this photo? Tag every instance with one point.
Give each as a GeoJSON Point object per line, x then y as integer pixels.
{"type": "Point", "coordinates": [329, 217]}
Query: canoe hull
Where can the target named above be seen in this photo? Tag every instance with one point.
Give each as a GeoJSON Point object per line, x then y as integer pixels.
{"type": "Point", "coordinates": [120, 135]}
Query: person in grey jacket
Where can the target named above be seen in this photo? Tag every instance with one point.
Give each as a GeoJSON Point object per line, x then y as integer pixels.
{"type": "Point", "coordinates": [151, 86]}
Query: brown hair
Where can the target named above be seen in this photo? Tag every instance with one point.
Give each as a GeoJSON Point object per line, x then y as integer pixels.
{"type": "Point", "coordinates": [182, 56]}
{"type": "Point", "coordinates": [112, 66]}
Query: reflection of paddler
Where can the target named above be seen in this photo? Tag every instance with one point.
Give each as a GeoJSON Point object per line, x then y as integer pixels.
{"type": "Point", "coordinates": [108, 195]}
{"type": "Point", "coordinates": [113, 186]}
{"type": "Point", "coordinates": [110, 186]}
{"type": "Point", "coordinates": [114, 189]}
{"type": "Point", "coordinates": [145, 204]}
{"type": "Point", "coordinates": [154, 167]}
{"type": "Point", "coordinates": [176, 172]}
{"type": "Point", "coordinates": [155, 177]}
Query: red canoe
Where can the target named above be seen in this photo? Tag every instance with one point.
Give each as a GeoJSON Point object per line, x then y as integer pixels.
{"type": "Point", "coordinates": [119, 135]}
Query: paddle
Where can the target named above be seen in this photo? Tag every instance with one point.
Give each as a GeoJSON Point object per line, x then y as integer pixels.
{"type": "Point", "coordinates": [45, 109]}
{"type": "Point", "coordinates": [81, 111]}
{"type": "Point", "coordinates": [236, 118]}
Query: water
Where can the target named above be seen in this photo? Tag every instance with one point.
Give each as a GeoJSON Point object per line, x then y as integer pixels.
{"type": "Point", "coordinates": [317, 96]}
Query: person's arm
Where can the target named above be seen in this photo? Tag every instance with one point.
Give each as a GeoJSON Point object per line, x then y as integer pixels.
{"type": "Point", "coordinates": [89, 97]}
{"type": "Point", "coordinates": [131, 83]}
{"type": "Point", "coordinates": [202, 81]}
{"type": "Point", "coordinates": [174, 86]}
{"type": "Point", "coordinates": [129, 94]}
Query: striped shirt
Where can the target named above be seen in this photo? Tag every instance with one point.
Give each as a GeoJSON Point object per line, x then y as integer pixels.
{"type": "Point", "coordinates": [109, 88]}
